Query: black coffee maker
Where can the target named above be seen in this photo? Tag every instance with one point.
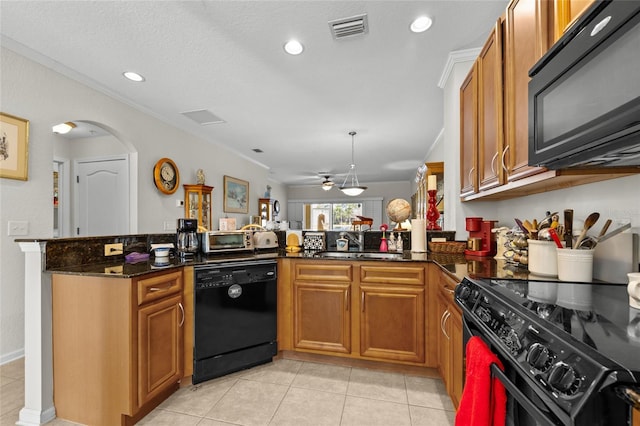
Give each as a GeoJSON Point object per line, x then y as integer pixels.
{"type": "Point", "coordinates": [187, 237]}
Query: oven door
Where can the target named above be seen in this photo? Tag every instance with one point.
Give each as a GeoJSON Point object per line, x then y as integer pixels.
{"type": "Point", "coordinates": [524, 406]}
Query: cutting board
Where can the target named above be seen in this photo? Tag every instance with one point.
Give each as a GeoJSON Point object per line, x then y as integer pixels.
{"type": "Point", "coordinates": [614, 258]}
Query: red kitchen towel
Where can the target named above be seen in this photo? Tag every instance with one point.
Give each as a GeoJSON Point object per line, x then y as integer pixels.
{"type": "Point", "coordinates": [483, 402]}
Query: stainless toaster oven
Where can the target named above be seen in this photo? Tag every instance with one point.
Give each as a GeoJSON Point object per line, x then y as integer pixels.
{"type": "Point", "coordinates": [226, 241]}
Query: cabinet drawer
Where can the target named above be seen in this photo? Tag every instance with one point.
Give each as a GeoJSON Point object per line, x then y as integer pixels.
{"type": "Point", "coordinates": [323, 272]}
{"type": "Point", "coordinates": [392, 275]}
{"type": "Point", "coordinates": [159, 286]}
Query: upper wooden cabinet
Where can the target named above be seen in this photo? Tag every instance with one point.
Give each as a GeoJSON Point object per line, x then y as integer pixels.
{"type": "Point", "coordinates": [481, 119]}
{"type": "Point", "coordinates": [494, 122]}
{"type": "Point", "coordinates": [565, 14]}
{"type": "Point", "coordinates": [469, 133]}
{"type": "Point", "coordinates": [490, 123]}
{"type": "Point", "coordinates": [526, 40]}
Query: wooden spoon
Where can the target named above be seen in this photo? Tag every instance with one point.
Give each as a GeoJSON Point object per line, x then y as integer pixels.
{"type": "Point", "coordinates": [588, 223]}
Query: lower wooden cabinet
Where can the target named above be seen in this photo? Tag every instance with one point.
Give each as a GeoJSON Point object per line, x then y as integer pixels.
{"type": "Point", "coordinates": [392, 323]}
{"type": "Point", "coordinates": [355, 309]}
{"type": "Point", "coordinates": [450, 342]}
{"type": "Point", "coordinates": [322, 318]}
{"type": "Point", "coordinates": [117, 345]}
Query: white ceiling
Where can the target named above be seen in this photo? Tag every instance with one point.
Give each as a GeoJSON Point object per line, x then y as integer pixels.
{"type": "Point", "coordinates": [227, 57]}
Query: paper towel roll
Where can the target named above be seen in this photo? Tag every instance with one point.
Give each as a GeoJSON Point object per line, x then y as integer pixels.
{"type": "Point", "coordinates": [418, 236]}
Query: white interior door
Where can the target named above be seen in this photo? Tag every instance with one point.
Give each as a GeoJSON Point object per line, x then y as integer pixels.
{"type": "Point", "coordinates": [102, 196]}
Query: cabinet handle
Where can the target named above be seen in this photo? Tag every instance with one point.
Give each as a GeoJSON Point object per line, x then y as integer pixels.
{"type": "Point", "coordinates": [470, 179]}
{"type": "Point", "coordinates": [504, 152]}
{"type": "Point", "coordinates": [444, 323]}
{"type": "Point", "coordinates": [181, 310]}
{"type": "Point", "coordinates": [450, 291]}
{"type": "Point", "coordinates": [493, 160]}
{"type": "Point", "coordinates": [444, 314]}
{"type": "Point", "coordinates": [346, 299]}
{"type": "Point", "coordinates": [160, 288]}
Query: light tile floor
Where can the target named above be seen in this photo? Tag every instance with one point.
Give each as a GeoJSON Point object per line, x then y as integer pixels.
{"type": "Point", "coordinates": [285, 392]}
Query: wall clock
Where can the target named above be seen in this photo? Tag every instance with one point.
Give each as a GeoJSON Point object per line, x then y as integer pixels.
{"type": "Point", "coordinates": [276, 207]}
{"type": "Point", "coordinates": [166, 176]}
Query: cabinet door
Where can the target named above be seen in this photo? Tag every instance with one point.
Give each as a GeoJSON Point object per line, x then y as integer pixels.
{"type": "Point", "coordinates": [469, 133]}
{"type": "Point", "coordinates": [159, 346]}
{"type": "Point", "coordinates": [526, 40]}
{"type": "Point", "coordinates": [392, 323]}
{"type": "Point", "coordinates": [456, 352]}
{"type": "Point", "coordinates": [490, 126]}
{"type": "Point", "coordinates": [444, 337]}
{"type": "Point", "coordinates": [321, 319]}
{"type": "Point", "coordinates": [566, 12]}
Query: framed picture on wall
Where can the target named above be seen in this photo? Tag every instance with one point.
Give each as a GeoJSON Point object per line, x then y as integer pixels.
{"type": "Point", "coordinates": [14, 144]}
{"type": "Point", "coordinates": [236, 195]}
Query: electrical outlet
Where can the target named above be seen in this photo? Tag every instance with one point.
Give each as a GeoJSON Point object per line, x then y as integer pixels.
{"type": "Point", "coordinates": [17, 227]}
{"type": "Point", "coordinates": [169, 226]}
{"type": "Point", "coordinates": [113, 249]}
{"type": "Point", "coordinates": [179, 203]}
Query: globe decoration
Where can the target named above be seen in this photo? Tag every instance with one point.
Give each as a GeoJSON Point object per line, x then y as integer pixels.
{"type": "Point", "coordinates": [398, 210]}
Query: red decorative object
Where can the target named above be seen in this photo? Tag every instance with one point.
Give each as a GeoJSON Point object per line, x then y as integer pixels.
{"type": "Point", "coordinates": [432, 212]}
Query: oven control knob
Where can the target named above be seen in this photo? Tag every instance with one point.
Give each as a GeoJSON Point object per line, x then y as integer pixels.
{"type": "Point", "coordinates": [562, 377]}
{"type": "Point", "coordinates": [539, 356]}
{"type": "Point", "coordinates": [463, 292]}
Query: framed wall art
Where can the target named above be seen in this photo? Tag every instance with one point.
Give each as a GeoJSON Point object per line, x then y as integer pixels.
{"type": "Point", "coordinates": [236, 195]}
{"type": "Point", "coordinates": [14, 147]}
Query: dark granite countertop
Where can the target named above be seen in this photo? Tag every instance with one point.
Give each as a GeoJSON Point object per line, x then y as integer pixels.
{"type": "Point", "coordinates": [458, 266]}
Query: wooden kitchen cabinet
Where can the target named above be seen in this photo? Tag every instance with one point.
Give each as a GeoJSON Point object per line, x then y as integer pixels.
{"type": "Point", "coordinates": [527, 36]}
{"type": "Point", "coordinates": [322, 319]}
{"type": "Point", "coordinates": [197, 204]}
{"type": "Point", "coordinates": [392, 317]}
{"type": "Point", "coordinates": [490, 113]}
{"type": "Point", "coordinates": [353, 309]}
{"type": "Point", "coordinates": [450, 341]}
{"type": "Point", "coordinates": [117, 345]}
{"type": "Point", "coordinates": [566, 12]}
{"type": "Point", "coordinates": [494, 148]}
{"type": "Point", "coordinates": [469, 133]}
{"type": "Point", "coordinates": [481, 119]}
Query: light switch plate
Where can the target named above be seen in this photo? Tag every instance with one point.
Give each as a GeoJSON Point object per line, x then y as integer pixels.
{"type": "Point", "coordinates": [18, 227]}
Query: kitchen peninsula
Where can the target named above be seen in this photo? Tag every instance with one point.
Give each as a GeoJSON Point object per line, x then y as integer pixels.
{"type": "Point", "coordinates": [78, 266]}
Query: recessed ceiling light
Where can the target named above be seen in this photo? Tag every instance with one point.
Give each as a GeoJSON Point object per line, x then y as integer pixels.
{"type": "Point", "coordinates": [293, 47]}
{"type": "Point", "coordinates": [421, 24]}
{"type": "Point", "coordinates": [133, 76]}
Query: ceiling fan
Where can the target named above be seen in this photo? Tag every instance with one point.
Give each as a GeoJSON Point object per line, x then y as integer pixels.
{"type": "Point", "coordinates": [327, 183]}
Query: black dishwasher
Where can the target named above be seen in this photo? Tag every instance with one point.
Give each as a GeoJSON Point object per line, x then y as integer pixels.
{"type": "Point", "coordinates": [234, 317]}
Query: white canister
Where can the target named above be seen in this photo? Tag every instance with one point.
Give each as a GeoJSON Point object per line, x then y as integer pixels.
{"type": "Point", "coordinates": [634, 289]}
{"type": "Point", "coordinates": [575, 265]}
{"type": "Point", "coordinates": [543, 258]}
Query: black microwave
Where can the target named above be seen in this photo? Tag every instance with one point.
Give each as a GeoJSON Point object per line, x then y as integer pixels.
{"type": "Point", "coordinates": [584, 93]}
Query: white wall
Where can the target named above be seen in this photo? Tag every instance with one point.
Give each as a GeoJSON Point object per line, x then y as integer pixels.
{"type": "Point", "coordinates": [45, 98]}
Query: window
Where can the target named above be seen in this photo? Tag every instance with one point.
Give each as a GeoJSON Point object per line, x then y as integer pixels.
{"type": "Point", "coordinates": [331, 216]}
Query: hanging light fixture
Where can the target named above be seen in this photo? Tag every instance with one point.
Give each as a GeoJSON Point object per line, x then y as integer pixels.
{"type": "Point", "coordinates": [354, 187]}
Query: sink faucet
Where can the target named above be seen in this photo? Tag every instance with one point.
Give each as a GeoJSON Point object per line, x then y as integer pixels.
{"type": "Point", "coordinates": [359, 242]}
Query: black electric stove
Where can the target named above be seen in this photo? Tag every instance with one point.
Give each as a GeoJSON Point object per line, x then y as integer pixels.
{"type": "Point", "coordinates": [568, 342]}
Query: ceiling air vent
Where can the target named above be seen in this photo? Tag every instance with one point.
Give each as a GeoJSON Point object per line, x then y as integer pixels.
{"type": "Point", "coordinates": [203, 117]}
{"type": "Point", "coordinates": [347, 27]}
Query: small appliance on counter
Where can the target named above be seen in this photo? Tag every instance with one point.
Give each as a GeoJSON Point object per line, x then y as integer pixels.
{"type": "Point", "coordinates": [187, 237]}
{"type": "Point", "coordinates": [481, 241]}
{"type": "Point", "coordinates": [226, 241]}
{"type": "Point", "coordinates": [265, 240]}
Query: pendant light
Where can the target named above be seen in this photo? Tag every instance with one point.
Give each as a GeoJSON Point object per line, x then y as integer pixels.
{"type": "Point", "coordinates": [354, 187]}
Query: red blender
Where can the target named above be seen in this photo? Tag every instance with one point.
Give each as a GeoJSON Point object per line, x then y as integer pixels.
{"type": "Point", "coordinates": [481, 241]}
